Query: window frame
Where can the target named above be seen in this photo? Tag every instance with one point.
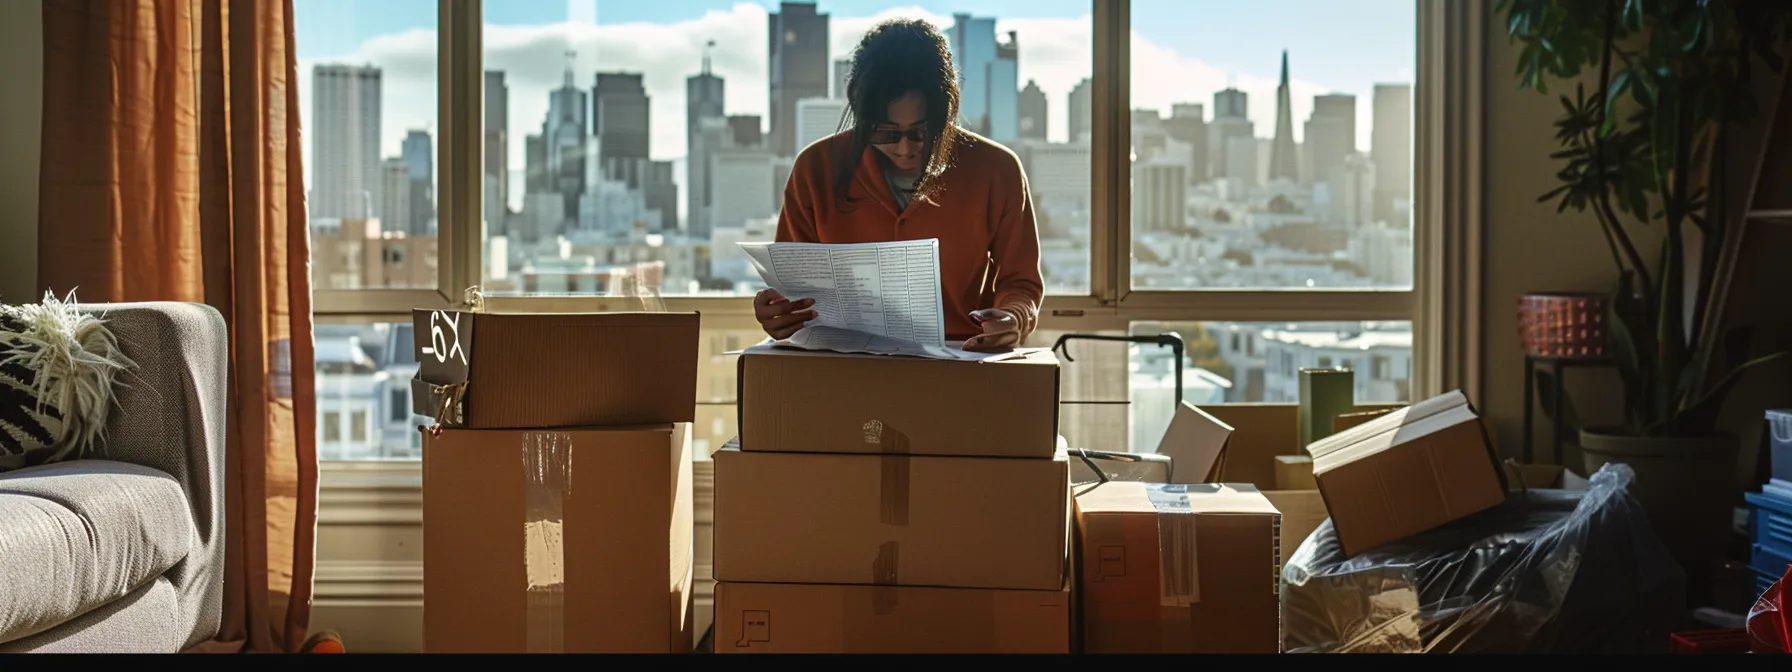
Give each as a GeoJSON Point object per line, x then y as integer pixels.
{"type": "Point", "coordinates": [1110, 304]}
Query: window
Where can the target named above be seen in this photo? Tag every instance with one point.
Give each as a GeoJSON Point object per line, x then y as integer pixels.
{"type": "Point", "coordinates": [563, 158]}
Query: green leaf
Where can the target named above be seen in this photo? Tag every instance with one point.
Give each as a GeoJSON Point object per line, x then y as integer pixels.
{"type": "Point", "coordinates": [1701, 416]}
{"type": "Point", "coordinates": [1620, 83]}
{"type": "Point", "coordinates": [1546, 395]}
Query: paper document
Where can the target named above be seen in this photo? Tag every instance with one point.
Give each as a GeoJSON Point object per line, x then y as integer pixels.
{"type": "Point", "coordinates": [876, 298]}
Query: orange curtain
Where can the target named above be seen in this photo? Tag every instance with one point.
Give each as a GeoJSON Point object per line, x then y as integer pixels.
{"type": "Point", "coordinates": [171, 173]}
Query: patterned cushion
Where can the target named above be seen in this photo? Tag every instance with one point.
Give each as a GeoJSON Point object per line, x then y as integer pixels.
{"type": "Point", "coordinates": [57, 368]}
{"type": "Point", "coordinates": [29, 426]}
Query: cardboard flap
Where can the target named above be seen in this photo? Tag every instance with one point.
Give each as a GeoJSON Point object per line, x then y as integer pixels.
{"type": "Point", "coordinates": [1198, 499]}
{"type": "Point", "coordinates": [1196, 444]}
{"type": "Point", "coordinates": [1405, 425]}
{"type": "Point", "coordinates": [443, 345]}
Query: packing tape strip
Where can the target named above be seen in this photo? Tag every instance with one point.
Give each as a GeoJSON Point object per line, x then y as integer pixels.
{"type": "Point", "coordinates": [966, 624]}
{"type": "Point", "coordinates": [547, 468]}
{"type": "Point", "coordinates": [893, 496]}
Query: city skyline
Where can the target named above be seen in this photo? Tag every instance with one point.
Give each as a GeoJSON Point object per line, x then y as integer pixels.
{"type": "Point", "coordinates": [1055, 53]}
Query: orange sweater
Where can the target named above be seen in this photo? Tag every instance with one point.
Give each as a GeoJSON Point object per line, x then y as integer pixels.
{"type": "Point", "coordinates": [983, 218]}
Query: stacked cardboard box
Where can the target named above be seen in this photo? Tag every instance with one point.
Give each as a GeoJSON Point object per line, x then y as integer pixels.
{"type": "Point", "coordinates": [893, 505]}
{"type": "Point", "coordinates": [557, 511]}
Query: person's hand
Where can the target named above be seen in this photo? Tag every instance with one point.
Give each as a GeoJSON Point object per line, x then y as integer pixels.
{"type": "Point", "coordinates": [781, 317]}
{"type": "Point", "coordinates": [1000, 331]}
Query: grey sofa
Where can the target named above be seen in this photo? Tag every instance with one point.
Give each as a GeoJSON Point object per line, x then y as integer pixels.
{"type": "Point", "coordinates": [123, 550]}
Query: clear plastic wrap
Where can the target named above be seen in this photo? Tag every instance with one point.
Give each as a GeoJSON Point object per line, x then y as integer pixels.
{"type": "Point", "coordinates": [1549, 571]}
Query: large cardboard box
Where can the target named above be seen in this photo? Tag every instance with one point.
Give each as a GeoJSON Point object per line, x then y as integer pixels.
{"type": "Point", "coordinates": [524, 371]}
{"type": "Point", "coordinates": [969, 522]}
{"type": "Point", "coordinates": [1407, 472]}
{"type": "Point", "coordinates": [820, 402]}
{"type": "Point", "coordinates": [558, 541]}
{"type": "Point", "coordinates": [1263, 433]}
{"type": "Point", "coordinates": [810, 618]}
{"type": "Point", "coordinates": [1178, 569]}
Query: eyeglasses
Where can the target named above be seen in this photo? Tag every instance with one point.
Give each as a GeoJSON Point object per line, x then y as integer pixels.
{"type": "Point", "coordinates": [885, 136]}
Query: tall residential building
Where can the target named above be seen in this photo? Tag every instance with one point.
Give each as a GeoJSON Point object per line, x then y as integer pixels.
{"type": "Point", "coordinates": [705, 97]}
{"type": "Point", "coordinates": [1231, 121]}
{"type": "Point", "coordinates": [1159, 196]}
{"type": "Point", "coordinates": [1082, 123]}
{"type": "Point", "coordinates": [842, 77]}
{"type": "Point", "coordinates": [1390, 147]}
{"type": "Point", "coordinates": [1284, 162]}
{"type": "Point", "coordinates": [419, 160]}
{"type": "Point", "coordinates": [987, 76]}
{"type": "Point", "coordinates": [797, 37]}
{"type": "Point", "coordinates": [1330, 138]}
{"type": "Point", "coordinates": [1032, 110]}
{"type": "Point", "coordinates": [345, 142]}
{"type": "Point", "coordinates": [621, 119]}
{"type": "Point", "coordinates": [395, 188]}
{"type": "Point", "coordinates": [1188, 124]}
{"type": "Point", "coordinates": [497, 152]}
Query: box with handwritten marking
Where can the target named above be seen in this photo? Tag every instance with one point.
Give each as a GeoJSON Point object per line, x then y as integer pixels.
{"type": "Point", "coordinates": [822, 618]}
{"type": "Point", "coordinates": [1172, 568]}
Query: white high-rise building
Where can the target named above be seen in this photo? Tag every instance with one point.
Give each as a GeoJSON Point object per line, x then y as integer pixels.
{"type": "Point", "coordinates": [345, 136]}
{"type": "Point", "coordinates": [817, 118]}
{"type": "Point", "coordinates": [743, 186]}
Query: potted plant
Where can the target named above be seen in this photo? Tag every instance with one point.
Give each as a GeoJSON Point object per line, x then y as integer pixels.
{"type": "Point", "coordinates": [1644, 150]}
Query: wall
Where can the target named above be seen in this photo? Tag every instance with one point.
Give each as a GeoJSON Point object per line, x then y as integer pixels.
{"type": "Point", "coordinates": [21, 119]}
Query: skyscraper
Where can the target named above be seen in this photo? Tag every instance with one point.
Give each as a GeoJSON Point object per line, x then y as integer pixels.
{"type": "Point", "coordinates": [1082, 124]}
{"type": "Point", "coordinates": [705, 95]}
{"type": "Point", "coordinates": [1330, 138]}
{"type": "Point", "coordinates": [1390, 147]}
{"type": "Point", "coordinates": [419, 160]}
{"type": "Point", "coordinates": [1284, 163]}
{"type": "Point", "coordinates": [345, 142]}
{"type": "Point", "coordinates": [1003, 122]}
{"type": "Point", "coordinates": [797, 37]}
{"type": "Point", "coordinates": [1033, 108]}
{"type": "Point", "coordinates": [1231, 121]}
{"type": "Point", "coordinates": [621, 120]}
{"type": "Point", "coordinates": [842, 76]}
{"type": "Point", "coordinates": [563, 135]}
{"type": "Point", "coordinates": [497, 152]}
{"type": "Point", "coordinates": [1188, 124]}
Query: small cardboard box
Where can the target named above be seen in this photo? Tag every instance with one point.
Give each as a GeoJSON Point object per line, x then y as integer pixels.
{"type": "Point", "coordinates": [1407, 472]}
{"type": "Point", "coordinates": [526, 371]}
{"type": "Point", "coordinates": [558, 541]}
{"type": "Point", "coordinates": [1542, 476]}
{"type": "Point", "coordinates": [1264, 433]}
{"type": "Point", "coordinates": [962, 522]}
{"type": "Point", "coordinates": [1295, 472]}
{"type": "Point", "coordinates": [811, 618]}
{"type": "Point", "coordinates": [1196, 444]}
{"type": "Point", "coordinates": [1170, 568]}
{"type": "Point", "coordinates": [822, 402]}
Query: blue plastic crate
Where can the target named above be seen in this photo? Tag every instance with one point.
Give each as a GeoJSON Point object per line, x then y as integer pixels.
{"type": "Point", "coordinates": [1763, 581]}
{"type": "Point", "coordinates": [1768, 559]}
{"type": "Point", "coordinates": [1770, 521]}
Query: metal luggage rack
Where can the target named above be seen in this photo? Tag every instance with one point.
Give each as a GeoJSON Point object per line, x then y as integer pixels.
{"type": "Point", "coordinates": [1169, 340]}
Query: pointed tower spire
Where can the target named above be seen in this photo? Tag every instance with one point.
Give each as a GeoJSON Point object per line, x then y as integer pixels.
{"type": "Point", "coordinates": [570, 55]}
{"type": "Point", "coordinates": [707, 47]}
{"type": "Point", "coordinates": [1282, 162]}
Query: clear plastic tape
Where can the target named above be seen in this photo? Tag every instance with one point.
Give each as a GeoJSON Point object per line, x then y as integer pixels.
{"type": "Point", "coordinates": [547, 463]}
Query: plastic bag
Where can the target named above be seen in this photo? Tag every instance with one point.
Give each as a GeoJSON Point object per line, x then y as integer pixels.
{"type": "Point", "coordinates": [1549, 571]}
{"type": "Point", "coordinates": [1768, 628]}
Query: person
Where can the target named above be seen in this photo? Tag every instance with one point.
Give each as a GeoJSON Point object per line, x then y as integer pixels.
{"type": "Point", "coordinates": [904, 170]}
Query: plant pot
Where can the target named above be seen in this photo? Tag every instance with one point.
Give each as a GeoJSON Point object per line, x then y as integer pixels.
{"type": "Point", "coordinates": [1685, 485]}
{"type": "Point", "coordinates": [1567, 325]}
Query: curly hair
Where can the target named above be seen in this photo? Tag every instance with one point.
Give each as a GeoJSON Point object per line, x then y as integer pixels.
{"type": "Point", "coordinates": [896, 57]}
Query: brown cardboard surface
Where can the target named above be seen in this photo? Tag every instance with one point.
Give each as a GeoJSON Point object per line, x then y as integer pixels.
{"type": "Point", "coordinates": [1302, 512]}
{"type": "Point", "coordinates": [622, 544]}
{"type": "Point", "coordinates": [1195, 442]}
{"type": "Point", "coordinates": [1347, 420]}
{"type": "Point", "coordinates": [1406, 472]}
{"type": "Point", "coordinates": [964, 522]}
{"type": "Point", "coordinates": [1295, 472]}
{"type": "Point", "coordinates": [1543, 476]}
{"type": "Point", "coordinates": [1215, 589]}
{"type": "Point", "coordinates": [1259, 433]}
{"type": "Point", "coordinates": [558, 370]}
{"type": "Point", "coordinates": [815, 402]}
{"type": "Point", "coordinates": [821, 618]}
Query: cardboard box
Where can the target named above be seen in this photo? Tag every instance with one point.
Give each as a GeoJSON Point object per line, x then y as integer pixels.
{"type": "Point", "coordinates": [1295, 472]}
{"type": "Point", "coordinates": [1345, 421]}
{"type": "Point", "coordinates": [1542, 476]}
{"type": "Point", "coordinates": [558, 541]}
{"type": "Point", "coordinates": [1407, 472]}
{"type": "Point", "coordinates": [526, 371]}
{"type": "Point", "coordinates": [821, 402]}
{"type": "Point", "coordinates": [1196, 444]}
{"type": "Point", "coordinates": [1261, 434]}
{"type": "Point", "coordinates": [810, 618]}
{"type": "Point", "coordinates": [1169, 568]}
{"type": "Point", "coordinates": [1141, 467]}
{"type": "Point", "coordinates": [966, 522]}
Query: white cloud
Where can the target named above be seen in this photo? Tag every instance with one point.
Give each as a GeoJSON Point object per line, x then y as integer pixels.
{"type": "Point", "coordinates": [1057, 53]}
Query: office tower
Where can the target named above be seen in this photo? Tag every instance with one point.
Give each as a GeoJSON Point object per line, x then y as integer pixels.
{"type": "Point", "coordinates": [496, 169]}
{"type": "Point", "coordinates": [817, 118]}
{"type": "Point", "coordinates": [1188, 124]}
{"type": "Point", "coordinates": [1231, 121]}
{"type": "Point", "coordinates": [1330, 138]}
{"type": "Point", "coordinates": [395, 191]}
{"type": "Point", "coordinates": [842, 77]}
{"type": "Point", "coordinates": [563, 135]}
{"type": "Point", "coordinates": [987, 76]}
{"type": "Point", "coordinates": [745, 131]}
{"type": "Point", "coordinates": [661, 194]}
{"type": "Point", "coordinates": [1032, 106]}
{"type": "Point", "coordinates": [797, 37]}
{"type": "Point", "coordinates": [1159, 196]}
{"type": "Point", "coordinates": [705, 95]}
{"type": "Point", "coordinates": [1390, 147]}
{"type": "Point", "coordinates": [345, 149]}
{"type": "Point", "coordinates": [621, 120]}
{"type": "Point", "coordinates": [418, 152]}
{"type": "Point", "coordinates": [1004, 92]}
{"type": "Point", "coordinates": [1082, 124]}
{"type": "Point", "coordinates": [1284, 163]}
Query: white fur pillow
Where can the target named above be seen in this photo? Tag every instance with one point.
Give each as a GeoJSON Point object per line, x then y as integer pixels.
{"type": "Point", "coordinates": [57, 368]}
